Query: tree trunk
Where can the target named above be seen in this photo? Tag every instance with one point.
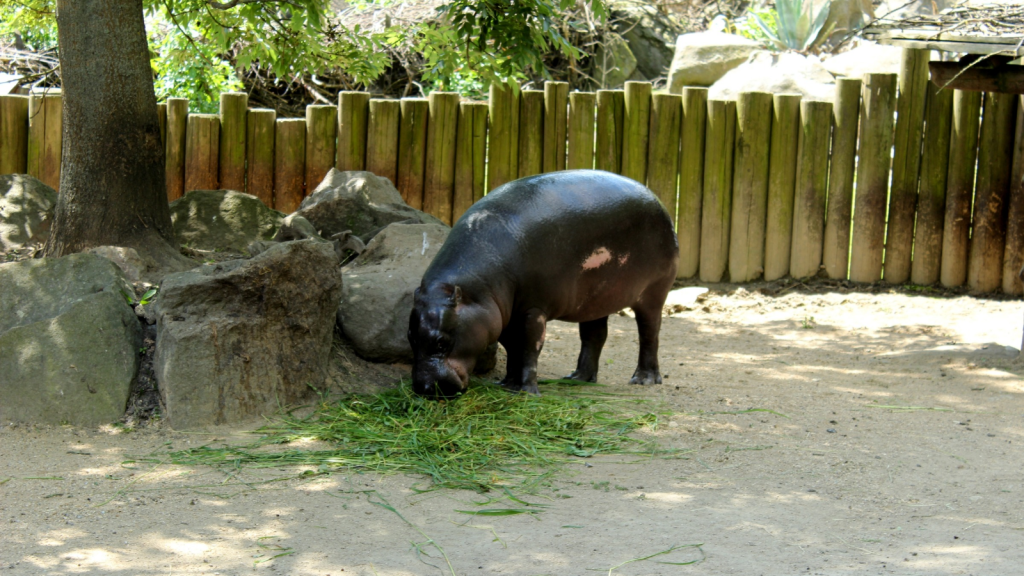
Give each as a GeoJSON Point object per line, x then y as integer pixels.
{"type": "Point", "coordinates": [112, 186]}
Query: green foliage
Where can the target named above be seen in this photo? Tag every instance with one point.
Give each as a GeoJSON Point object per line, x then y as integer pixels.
{"type": "Point", "coordinates": [33, 20]}
{"type": "Point", "coordinates": [799, 24]}
{"type": "Point", "coordinates": [186, 65]}
{"type": "Point", "coordinates": [751, 26]}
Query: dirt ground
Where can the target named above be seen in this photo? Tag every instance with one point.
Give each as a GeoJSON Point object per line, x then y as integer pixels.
{"type": "Point", "coordinates": [894, 446]}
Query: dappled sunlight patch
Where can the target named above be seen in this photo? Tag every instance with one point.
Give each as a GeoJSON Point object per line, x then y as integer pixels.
{"type": "Point", "coordinates": [671, 498]}
{"type": "Point", "coordinates": [93, 557]}
{"type": "Point", "coordinates": [60, 537]}
{"type": "Point", "coordinates": [937, 557]}
{"type": "Point", "coordinates": [864, 392]}
{"type": "Point", "coordinates": [185, 547]}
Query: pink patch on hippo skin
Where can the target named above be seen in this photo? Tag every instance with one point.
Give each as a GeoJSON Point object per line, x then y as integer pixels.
{"type": "Point", "coordinates": [599, 258]}
{"type": "Point", "coordinates": [623, 259]}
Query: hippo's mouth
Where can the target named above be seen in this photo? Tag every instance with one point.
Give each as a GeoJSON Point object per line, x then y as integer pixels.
{"type": "Point", "coordinates": [439, 378]}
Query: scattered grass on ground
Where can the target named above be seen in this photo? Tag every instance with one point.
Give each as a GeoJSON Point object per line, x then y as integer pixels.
{"type": "Point", "coordinates": [483, 439]}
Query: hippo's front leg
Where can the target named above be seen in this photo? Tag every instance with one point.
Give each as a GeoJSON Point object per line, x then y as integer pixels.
{"type": "Point", "coordinates": [523, 340]}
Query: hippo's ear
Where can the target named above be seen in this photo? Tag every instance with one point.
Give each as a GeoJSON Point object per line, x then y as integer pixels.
{"type": "Point", "coordinates": [453, 292]}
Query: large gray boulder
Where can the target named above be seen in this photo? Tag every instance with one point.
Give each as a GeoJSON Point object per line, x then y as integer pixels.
{"type": "Point", "coordinates": [379, 284]}
{"type": "Point", "coordinates": [868, 58]}
{"type": "Point", "coordinates": [222, 220]}
{"type": "Point", "coordinates": [783, 73]}
{"type": "Point", "coordinates": [243, 338]}
{"type": "Point", "coordinates": [702, 58]}
{"type": "Point", "coordinates": [650, 35]}
{"type": "Point", "coordinates": [26, 210]}
{"type": "Point", "coordinates": [69, 341]}
{"type": "Point", "coordinates": [361, 202]}
{"type": "Point", "coordinates": [614, 62]}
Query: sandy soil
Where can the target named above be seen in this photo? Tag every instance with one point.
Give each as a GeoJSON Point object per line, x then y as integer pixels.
{"type": "Point", "coordinates": [831, 483]}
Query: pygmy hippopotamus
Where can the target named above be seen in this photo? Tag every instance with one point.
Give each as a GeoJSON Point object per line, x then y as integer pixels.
{"type": "Point", "coordinates": [576, 246]}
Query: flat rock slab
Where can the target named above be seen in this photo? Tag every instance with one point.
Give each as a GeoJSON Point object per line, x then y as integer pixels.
{"type": "Point", "coordinates": [222, 220]}
{"type": "Point", "coordinates": [784, 73]}
{"type": "Point", "coordinates": [702, 58]}
{"type": "Point", "coordinates": [379, 285]}
{"type": "Point", "coordinates": [26, 210]}
{"type": "Point", "coordinates": [69, 341]}
{"type": "Point", "coordinates": [245, 338]}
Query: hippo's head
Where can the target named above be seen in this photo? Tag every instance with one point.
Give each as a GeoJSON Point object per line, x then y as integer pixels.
{"type": "Point", "coordinates": [446, 340]}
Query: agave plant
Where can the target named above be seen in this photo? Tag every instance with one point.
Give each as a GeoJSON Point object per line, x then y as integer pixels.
{"type": "Point", "coordinates": [800, 24]}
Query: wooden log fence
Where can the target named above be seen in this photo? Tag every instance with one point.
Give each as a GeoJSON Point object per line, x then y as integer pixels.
{"type": "Point", "coordinates": [761, 188]}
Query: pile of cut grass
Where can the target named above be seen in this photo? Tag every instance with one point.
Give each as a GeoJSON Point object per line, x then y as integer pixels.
{"type": "Point", "coordinates": [483, 439]}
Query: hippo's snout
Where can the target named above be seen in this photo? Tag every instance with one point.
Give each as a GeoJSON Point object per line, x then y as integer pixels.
{"type": "Point", "coordinates": [434, 378]}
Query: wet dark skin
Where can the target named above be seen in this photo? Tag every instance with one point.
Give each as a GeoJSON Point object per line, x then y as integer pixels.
{"type": "Point", "coordinates": [574, 246]}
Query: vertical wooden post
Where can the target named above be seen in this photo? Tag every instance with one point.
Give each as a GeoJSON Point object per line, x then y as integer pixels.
{"type": "Point", "coordinates": [502, 136]}
{"type": "Point", "coordinates": [531, 133]}
{"type": "Point", "coordinates": [610, 110]}
{"type": "Point", "coordinates": [963, 152]}
{"type": "Point", "coordinates": [845, 113]}
{"type": "Point", "coordinates": [556, 100]}
{"type": "Point", "coordinates": [906, 161]}
{"type": "Point", "coordinates": [691, 179]}
{"type": "Point", "coordinates": [995, 163]}
{"type": "Point", "coordinates": [750, 185]}
{"type": "Point", "coordinates": [717, 203]}
{"type": "Point", "coordinates": [781, 185]}
{"type": "Point", "coordinates": [45, 136]}
{"type": "Point", "coordinates": [1013, 256]}
{"type": "Point", "coordinates": [202, 152]}
{"type": "Point", "coordinates": [13, 134]}
{"type": "Point", "coordinates": [321, 132]}
{"type": "Point", "coordinates": [581, 130]}
{"type": "Point", "coordinates": [878, 102]}
{"type": "Point", "coordinates": [412, 150]}
{"type": "Point", "coordinates": [470, 157]}
{"type": "Point", "coordinates": [382, 139]}
{"type": "Point", "coordinates": [439, 172]}
{"type": "Point", "coordinates": [174, 147]}
{"type": "Point", "coordinates": [289, 164]}
{"type": "Point", "coordinates": [232, 140]}
{"type": "Point", "coordinates": [663, 155]}
{"type": "Point", "coordinates": [161, 118]}
{"type": "Point", "coordinates": [353, 111]}
{"type": "Point", "coordinates": [259, 154]}
{"type": "Point", "coordinates": [811, 188]}
{"type": "Point", "coordinates": [636, 121]}
{"type": "Point", "coordinates": [931, 198]}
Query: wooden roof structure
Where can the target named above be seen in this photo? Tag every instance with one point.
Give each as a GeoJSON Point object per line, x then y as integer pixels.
{"type": "Point", "coordinates": [987, 36]}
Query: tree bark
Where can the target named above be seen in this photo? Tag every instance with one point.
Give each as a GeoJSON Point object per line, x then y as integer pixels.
{"type": "Point", "coordinates": [112, 185]}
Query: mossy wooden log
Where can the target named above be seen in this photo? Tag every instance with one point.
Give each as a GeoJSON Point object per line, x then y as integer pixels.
{"type": "Point", "coordinates": [289, 164]}
{"type": "Point", "coordinates": [202, 152]}
{"type": "Point", "coordinates": [811, 188]}
{"type": "Point", "coordinates": [963, 153]}
{"type": "Point", "coordinates": [610, 117]}
{"type": "Point", "coordinates": [412, 149]}
{"type": "Point", "coordinates": [470, 157]}
{"type": "Point", "coordinates": [1013, 255]}
{"type": "Point", "coordinates": [906, 163]}
{"type": "Point", "coordinates": [835, 254]}
{"type": "Point", "coordinates": [502, 136]}
{"type": "Point", "coordinates": [174, 147]}
{"type": "Point", "coordinates": [663, 155]}
{"type": "Point", "coordinates": [161, 119]}
{"type": "Point", "coordinates": [931, 195]}
{"type": "Point", "coordinates": [691, 179]}
{"type": "Point", "coordinates": [878, 102]}
{"type": "Point", "coordinates": [556, 110]}
{"type": "Point", "coordinates": [717, 202]}
{"type": "Point", "coordinates": [531, 133]}
{"type": "Point", "coordinates": [353, 115]}
{"type": "Point", "coordinates": [233, 107]}
{"type": "Point", "coordinates": [992, 190]}
{"type": "Point", "coordinates": [750, 185]}
{"type": "Point", "coordinates": [259, 154]}
{"type": "Point", "coordinates": [781, 185]}
{"type": "Point", "coordinates": [439, 167]}
{"type": "Point", "coordinates": [13, 134]}
{"type": "Point", "coordinates": [321, 133]}
{"type": "Point", "coordinates": [382, 138]}
{"type": "Point", "coordinates": [582, 109]}
{"type": "Point", "coordinates": [45, 136]}
{"type": "Point", "coordinates": [636, 122]}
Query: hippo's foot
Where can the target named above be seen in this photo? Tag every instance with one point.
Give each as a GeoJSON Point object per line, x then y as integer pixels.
{"type": "Point", "coordinates": [513, 385]}
{"type": "Point", "coordinates": [645, 376]}
{"type": "Point", "coordinates": [582, 376]}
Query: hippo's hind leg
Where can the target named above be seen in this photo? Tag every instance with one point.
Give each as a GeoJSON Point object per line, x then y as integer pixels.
{"type": "Point", "coordinates": [592, 338]}
{"type": "Point", "coordinates": [523, 340]}
{"type": "Point", "coordinates": [648, 322]}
